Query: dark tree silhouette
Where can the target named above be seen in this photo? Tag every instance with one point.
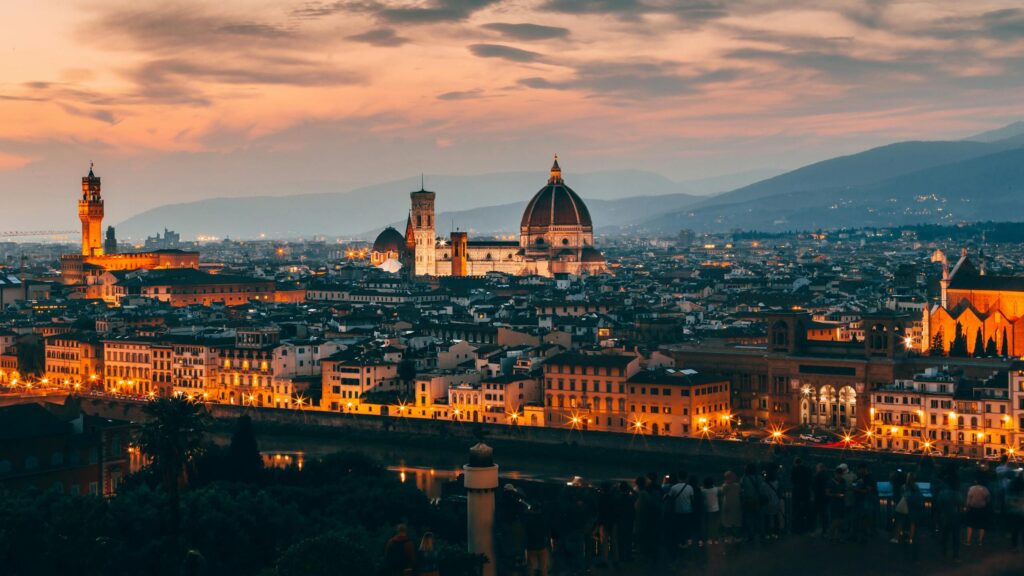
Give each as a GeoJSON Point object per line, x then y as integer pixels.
{"type": "Point", "coordinates": [979, 344]}
{"type": "Point", "coordinates": [990, 348]}
{"type": "Point", "coordinates": [406, 371]}
{"type": "Point", "coordinates": [171, 439]}
{"type": "Point", "coordinates": [958, 348]}
{"type": "Point", "coordinates": [244, 461]}
{"type": "Point", "coordinates": [1005, 350]}
{"type": "Point", "coordinates": [938, 347]}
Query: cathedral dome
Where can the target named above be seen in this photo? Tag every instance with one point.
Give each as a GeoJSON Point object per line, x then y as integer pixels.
{"type": "Point", "coordinates": [556, 205]}
{"type": "Point", "coordinates": [390, 240]}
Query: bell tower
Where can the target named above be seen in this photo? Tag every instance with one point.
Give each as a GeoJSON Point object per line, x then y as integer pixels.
{"type": "Point", "coordinates": [422, 218]}
{"type": "Point", "coordinates": [90, 212]}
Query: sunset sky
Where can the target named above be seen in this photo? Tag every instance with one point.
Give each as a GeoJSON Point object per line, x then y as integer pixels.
{"type": "Point", "coordinates": [177, 101]}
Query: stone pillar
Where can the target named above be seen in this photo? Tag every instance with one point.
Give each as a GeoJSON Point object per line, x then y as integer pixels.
{"type": "Point", "coordinates": [481, 481]}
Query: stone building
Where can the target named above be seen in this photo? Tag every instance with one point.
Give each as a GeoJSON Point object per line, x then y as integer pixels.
{"type": "Point", "coordinates": [556, 235]}
{"type": "Point", "coordinates": [95, 258]}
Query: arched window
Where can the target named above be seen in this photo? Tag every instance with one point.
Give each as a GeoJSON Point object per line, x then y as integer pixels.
{"type": "Point", "coordinates": [879, 337]}
{"type": "Point", "coordinates": [780, 334]}
{"type": "Point", "coordinates": [540, 241]}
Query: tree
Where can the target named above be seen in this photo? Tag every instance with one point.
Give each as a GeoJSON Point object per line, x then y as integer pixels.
{"type": "Point", "coordinates": [244, 461]}
{"type": "Point", "coordinates": [958, 348]}
{"type": "Point", "coordinates": [171, 439]}
{"type": "Point", "coordinates": [326, 555]}
{"type": "Point", "coordinates": [938, 346]}
{"type": "Point", "coordinates": [31, 355]}
{"type": "Point", "coordinates": [406, 371]}
{"type": "Point", "coordinates": [1005, 350]}
{"type": "Point", "coordinates": [979, 344]}
{"type": "Point", "coordinates": [990, 348]}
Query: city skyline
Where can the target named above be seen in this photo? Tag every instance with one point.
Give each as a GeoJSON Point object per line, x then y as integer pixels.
{"type": "Point", "coordinates": [268, 98]}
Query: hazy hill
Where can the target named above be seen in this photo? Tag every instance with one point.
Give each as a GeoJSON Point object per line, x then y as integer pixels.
{"type": "Point", "coordinates": [872, 165]}
{"type": "Point", "coordinates": [608, 215]}
{"type": "Point", "coordinates": [1010, 131]}
{"type": "Point", "coordinates": [372, 207]}
{"type": "Point", "coordinates": [980, 188]}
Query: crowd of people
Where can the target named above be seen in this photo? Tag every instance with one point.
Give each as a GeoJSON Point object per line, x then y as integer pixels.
{"type": "Point", "coordinates": [660, 521]}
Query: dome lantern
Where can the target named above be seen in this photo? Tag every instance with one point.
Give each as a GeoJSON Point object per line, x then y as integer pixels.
{"type": "Point", "coordinates": [556, 173]}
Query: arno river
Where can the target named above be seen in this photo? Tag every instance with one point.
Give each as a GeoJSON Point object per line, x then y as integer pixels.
{"type": "Point", "coordinates": [429, 467]}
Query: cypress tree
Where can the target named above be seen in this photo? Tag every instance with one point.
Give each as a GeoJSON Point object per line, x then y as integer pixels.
{"type": "Point", "coordinates": [958, 348]}
{"type": "Point", "coordinates": [938, 346]}
{"type": "Point", "coordinates": [1006, 349]}
{"type": "Point", "coordinates": [979, 344]}
{"type": "Point", "coordinates": [244, 459]}
{"type": "Point", "coordinates": [990, 348]}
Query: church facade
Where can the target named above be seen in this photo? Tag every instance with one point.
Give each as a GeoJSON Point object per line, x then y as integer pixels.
{"type": "Point", "coordinates": [986, 310]}
{"type": "Point", "coordinates": [556, 235]}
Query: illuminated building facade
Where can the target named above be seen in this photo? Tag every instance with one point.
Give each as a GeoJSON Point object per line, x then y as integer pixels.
{"type": "Point", "coordinates": [939, 413]}
{"type": "Point", "coordinates": [987, 308]}
{"type": "Point", "coordinates": [589, 392]}
{"type": "Point", "coordinates": [73, 358]}
{"type": "Point", "coordinates": [793, 380]}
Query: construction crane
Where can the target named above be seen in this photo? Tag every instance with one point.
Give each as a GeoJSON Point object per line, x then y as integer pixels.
{"type": "Point", "coordinates": [24, 233]}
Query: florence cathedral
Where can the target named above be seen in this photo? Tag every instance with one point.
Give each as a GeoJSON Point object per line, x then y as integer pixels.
{"type": "Point", "coordinates": [556, 235]}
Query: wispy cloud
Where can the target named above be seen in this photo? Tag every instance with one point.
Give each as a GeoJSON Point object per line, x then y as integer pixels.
{"type": "Point", "coordinates": [633, 80]}
{"type": "Point", "coordinates": [429, 12]}
{"type": "Point", "coordinates": [527, 31]}
{"type": "Point", "coordinates": [504, 52]}
{"type": "Point", "coordinates": [461, 94]}
{"type": "Point", "coordinates": [385, 37]}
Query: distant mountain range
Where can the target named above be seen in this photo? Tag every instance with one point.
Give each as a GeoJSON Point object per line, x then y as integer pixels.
{"type": "Point", "coordinates": [359, 212]}
{"type": "Point", "coordinates": [944, 182]}
{"type": "Point", "coordinates": [903, 183]}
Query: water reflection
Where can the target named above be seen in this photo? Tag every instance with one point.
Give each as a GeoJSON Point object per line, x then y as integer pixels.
{"type": "Point", "coordinates": [430, 481]}
{"type": "Point", "coordinates": [282, 460]}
